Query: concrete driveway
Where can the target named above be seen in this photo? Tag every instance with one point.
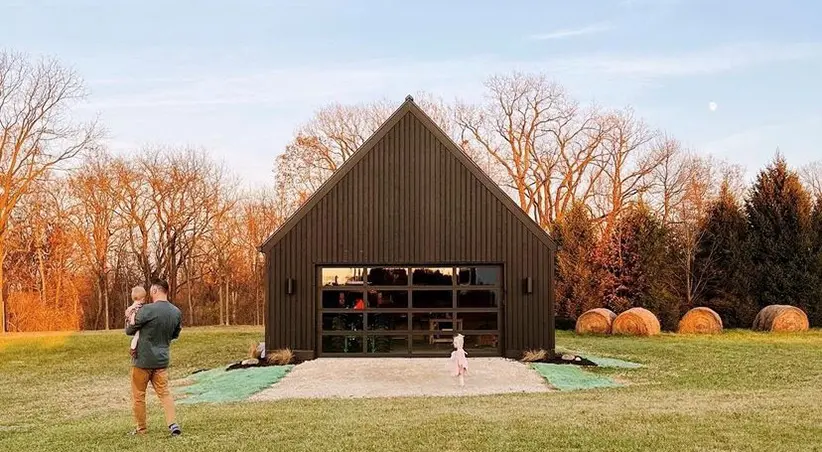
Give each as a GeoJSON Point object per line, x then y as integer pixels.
{"type": "Point", "coordinates": [402, 377]}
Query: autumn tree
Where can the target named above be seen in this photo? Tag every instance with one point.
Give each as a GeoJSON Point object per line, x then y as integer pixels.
{"type": "Point", "coordinates": [42, 258]}
{"type": "Point", "coordinates": [37, 133]}
{"type": "Point", "coordinates": [631, 153]}
{"type": "Point", "coordinates": [546, 146]}
{"type": "Point", "coordinates": [680, 188]}
{"type": "Point", "coordinates": [331, 136]}
{"type": "Point", "coordinates": [93, 188]}
{"type": "Point", "coordinates": [578, 277]}
{"type": "Point", "coordinates": [781, 237]}
{"type": "Point", "coordinates": [260, 214]}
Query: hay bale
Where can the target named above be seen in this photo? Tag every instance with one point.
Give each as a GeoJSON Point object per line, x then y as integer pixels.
{"type": "Point", "coordinates": [596, 321]}
{"type": "Point", "coordinates": [781, 318]}
{"type": "Point", "coordinates": [700, 321]}
{"type": "Point", "coordinates": [636, 322]}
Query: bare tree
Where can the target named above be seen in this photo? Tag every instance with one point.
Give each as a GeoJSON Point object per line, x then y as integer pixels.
{"type": "Point", "coordinates": [331, 137]}
{"type": "Point", "coordinates": [511, 127]}
{"type": "Point", "coordinates": [261, 214]}
{"type": "Point", "coordinates": [811, 175]}
{"type": "Point", "coordinates": [36, 132]}
{"type": "Point", "coordinates": [681, 187]}
{"type": "Point", "coordinates": [629, 158]}
{"type": "Point", "coordinates": [544, 147]}
{"type": "Point", "coordinates": [94, 188]}
{"type": "Point", "coordinates": [575, 146]}
{"type": "Point", "coordinates": [188, 194]}
{"type": "Point", "coordinates": [134, 210]}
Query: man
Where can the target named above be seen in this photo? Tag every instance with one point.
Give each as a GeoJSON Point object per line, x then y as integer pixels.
{"type": "Point", "coordinates": [159, 323]}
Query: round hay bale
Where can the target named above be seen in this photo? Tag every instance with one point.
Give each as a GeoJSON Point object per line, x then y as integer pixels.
{"type": "Point", "coordinates": [781, 318]}
{"type": "Point", "coordinates": [595, 321]}
{"type": "Point", "coordinates": [636, 322]}
{"type": "Point", "coordinates": [700, 321]}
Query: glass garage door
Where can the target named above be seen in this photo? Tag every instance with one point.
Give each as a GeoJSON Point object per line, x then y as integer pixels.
{"type": "Point", "coordinates": [409, 311]}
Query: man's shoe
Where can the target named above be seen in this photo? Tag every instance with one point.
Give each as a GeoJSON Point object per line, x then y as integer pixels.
{"type": "Point", "coordinates": [175, 430]}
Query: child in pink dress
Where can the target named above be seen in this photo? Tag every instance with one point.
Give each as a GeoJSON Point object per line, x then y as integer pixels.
{"type": "Point", "coordinates": [138, 297]}
{"type": "Point", "coordinates": [459, 358]}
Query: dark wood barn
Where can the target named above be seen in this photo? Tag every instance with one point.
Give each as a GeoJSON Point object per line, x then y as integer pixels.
{"type": "Point", "coordinates": [407, 243]}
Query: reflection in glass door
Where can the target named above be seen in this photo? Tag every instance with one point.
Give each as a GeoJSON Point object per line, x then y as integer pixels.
{"type": "Point", "coordinates": [414, 310]}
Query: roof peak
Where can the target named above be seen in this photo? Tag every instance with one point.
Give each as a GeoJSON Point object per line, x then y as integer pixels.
{"type": "Point", "coordinates": [409, 98]}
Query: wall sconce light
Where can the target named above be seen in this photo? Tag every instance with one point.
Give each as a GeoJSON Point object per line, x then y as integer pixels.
{"type": "Point", "coordinates": [290, 286]}
{"type": "Point", "coordinates": [528, 285]}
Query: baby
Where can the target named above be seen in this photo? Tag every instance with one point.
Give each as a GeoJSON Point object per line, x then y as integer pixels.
{"type": "Point", "coordinates": [459, 358]}
{"type": "Point", "coordinates": [138, 296]}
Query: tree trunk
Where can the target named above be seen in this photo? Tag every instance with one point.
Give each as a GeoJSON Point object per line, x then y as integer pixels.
{"type": "Point", "coordinates": [234, 306]}
{"type": "Point", "coordinates": [189, 288]}
{"type": "Point", "coordinates": [41, 266]}
{"type": "Point", "coordinates": [227, 303]}
{"type": "Point", "coordinates": [58, 293]}
{"type": "Point", "coordinates": [190, 305]}
{"type": "Point", "coordinates": [99, 306]}
{"type": "Point", "coordinates": [104, 291]}
{"type": "Point", "coordinates": [256, 291]}
{"type": "Point", "coordinates": [220, 298]}
{"type": "Point", "coordinates": [3, 327]}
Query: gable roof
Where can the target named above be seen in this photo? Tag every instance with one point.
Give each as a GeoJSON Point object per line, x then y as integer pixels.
{"type": "Point", "coordinates": [408, 107]}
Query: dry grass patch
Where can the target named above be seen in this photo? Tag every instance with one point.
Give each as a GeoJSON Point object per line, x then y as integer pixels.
{"type": "Point", "coordinates": [280, 357]}
{"type": "Point", "coordinates": [534, 356]}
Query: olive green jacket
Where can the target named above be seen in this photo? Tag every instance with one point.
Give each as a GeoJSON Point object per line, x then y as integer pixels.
{"type": "Point", "coordinates": [158, 323]}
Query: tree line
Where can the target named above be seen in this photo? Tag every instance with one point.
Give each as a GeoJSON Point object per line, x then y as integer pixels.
{"type": "Point", "coordinates": [642, 221]}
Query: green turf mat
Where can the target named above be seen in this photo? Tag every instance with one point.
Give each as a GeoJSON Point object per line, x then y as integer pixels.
{"type": "Point", "coordinates": [219, 385]}
{"type": "Point", "coordinates": [612, 362]}
{"type": "Point", "coordinates": [566, 377]}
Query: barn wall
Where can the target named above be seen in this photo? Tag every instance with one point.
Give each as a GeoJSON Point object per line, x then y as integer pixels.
{"type": "Point", "coordinates": [410, 201]}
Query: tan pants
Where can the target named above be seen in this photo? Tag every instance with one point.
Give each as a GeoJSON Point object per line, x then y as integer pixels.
{"type": "Point", "coordinates": [139, 384]}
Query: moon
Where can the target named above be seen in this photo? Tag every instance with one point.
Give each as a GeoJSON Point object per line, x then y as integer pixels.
{"type": "Point", "coordinates": [712, 106]}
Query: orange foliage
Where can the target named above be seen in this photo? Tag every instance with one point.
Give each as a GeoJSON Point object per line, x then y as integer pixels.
{"type": "Point", "coordinates": [27, 313]}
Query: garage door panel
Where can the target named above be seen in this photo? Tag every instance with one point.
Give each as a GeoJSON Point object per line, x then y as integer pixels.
{"type": "Point", "coordinates": [410, 310]}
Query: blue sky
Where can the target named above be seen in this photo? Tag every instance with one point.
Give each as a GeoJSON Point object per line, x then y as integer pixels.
{"type": "Point", "coordinates": [237, 77]}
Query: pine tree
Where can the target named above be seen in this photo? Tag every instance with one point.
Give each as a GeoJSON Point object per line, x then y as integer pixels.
{"type": "Point", "coordinates": [578, 286]}
{"type": "Point", "coordinates": [638, 260]}
{"type": "Point", "coordinates": [722, 262]}
{"type": "Point", "coordinates": [815, 308]}
{"type": "Point", "coordinates": [781, 239]}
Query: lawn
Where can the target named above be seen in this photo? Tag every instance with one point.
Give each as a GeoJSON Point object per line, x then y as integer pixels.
{"type": "Point", "coordinates": [738, 391]}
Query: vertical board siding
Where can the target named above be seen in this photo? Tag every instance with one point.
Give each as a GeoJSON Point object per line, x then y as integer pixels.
{"type": "Point", "coordinates": [410, 201]}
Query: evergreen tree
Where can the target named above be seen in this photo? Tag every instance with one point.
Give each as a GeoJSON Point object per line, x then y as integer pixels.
{"type": "Point", "coordinates": [781, 239]}
{"type": "Point", "coordinates": [638, 260]}
{"type": "Point", "coordinates": [722, 262]}
{"type": "Point", "coordinates": [815, 308]}
{"type": "Point", "coordinates": [578, 286]}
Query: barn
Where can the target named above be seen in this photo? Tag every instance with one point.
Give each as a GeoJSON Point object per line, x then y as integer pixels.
{"type": "Point", "coordinates": [408, 243]}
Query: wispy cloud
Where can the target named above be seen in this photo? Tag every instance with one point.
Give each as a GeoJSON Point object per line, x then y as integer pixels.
{"type": "Point", "coordinates": [702, 62]}
{"type": "Point", "coordinates": [572, 32]}
{"type": "Point", "coordinates": [354, 82]}
{"type": "Point", "coordinates": [757, 145]}
{"type": "Point", "coordinates": [648, 3]}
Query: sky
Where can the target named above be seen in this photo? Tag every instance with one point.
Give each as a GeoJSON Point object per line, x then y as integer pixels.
{"type": "Point", "coordinates": [735, 79]}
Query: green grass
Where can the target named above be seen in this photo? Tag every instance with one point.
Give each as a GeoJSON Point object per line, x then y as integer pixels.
{"type": "Point", "coordinates": [738, 391]}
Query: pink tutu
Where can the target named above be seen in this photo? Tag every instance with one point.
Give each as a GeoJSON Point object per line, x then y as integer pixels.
{"type": "Point", "coordinates": [460, 362]}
